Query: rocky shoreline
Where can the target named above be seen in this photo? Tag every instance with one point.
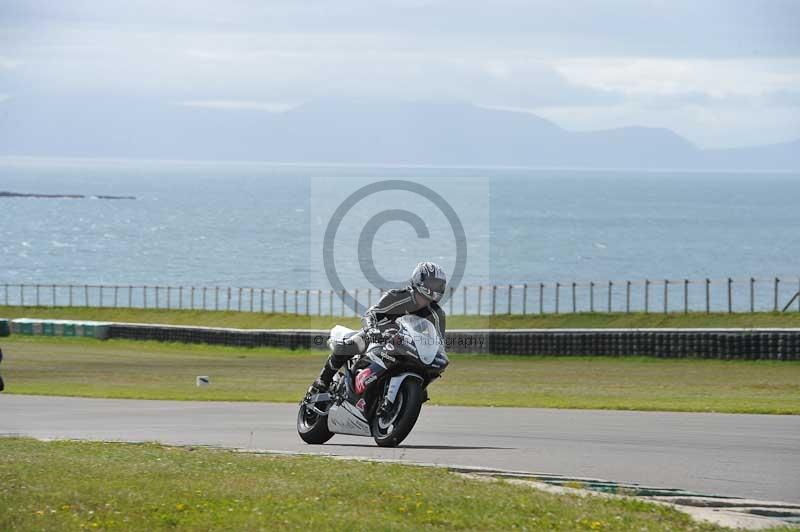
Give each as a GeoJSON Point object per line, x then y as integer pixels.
{"type": "Point", "coordinates": [6, 194]}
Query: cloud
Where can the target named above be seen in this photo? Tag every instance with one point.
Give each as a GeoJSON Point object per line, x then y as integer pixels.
{"type": "Point", "coordinates": [6, 63]}
{"type": "Point", "coordinates": [685, 28]}
{"type": "Point", "coordinates": [237, 105]}
{"type": "Point", "coordinates": [651, 63]}
{"type": "Point", "coordinates": [784, 98]}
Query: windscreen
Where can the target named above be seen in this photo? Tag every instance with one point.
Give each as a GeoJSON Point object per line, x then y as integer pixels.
{"type": "Point", "coordinates": [426, 337]}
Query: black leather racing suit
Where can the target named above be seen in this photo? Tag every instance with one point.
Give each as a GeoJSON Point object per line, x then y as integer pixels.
{"type": "Point", "coordinates": [392, 305]}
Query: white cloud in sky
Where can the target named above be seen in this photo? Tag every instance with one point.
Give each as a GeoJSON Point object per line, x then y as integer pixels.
{"type": "Point", "coordinates": [657, 76]}
{"type": "Point", "coordinates": [239, 105]}
{"type": "Point", "coordinates": [6, 63]}
{"type": "Point", "coordinates": [718, 72]}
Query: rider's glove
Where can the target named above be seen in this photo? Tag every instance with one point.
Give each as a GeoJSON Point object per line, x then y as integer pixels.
{"type": "Point", "coordinates": [373, 334]}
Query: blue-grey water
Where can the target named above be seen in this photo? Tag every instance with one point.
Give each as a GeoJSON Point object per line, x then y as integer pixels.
{"type": "Point", "coordinates": [260, 225]}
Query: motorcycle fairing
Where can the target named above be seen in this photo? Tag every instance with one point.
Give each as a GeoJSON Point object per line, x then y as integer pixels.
{"type": "Point", "coordinates": [346, 419]}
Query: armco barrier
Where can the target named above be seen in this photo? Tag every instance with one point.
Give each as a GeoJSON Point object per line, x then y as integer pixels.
{"type": "Point", "coordinates": [750, 344]}
{"type": "Point", "coordinates": [37, 327]}
{"type": "Point", "coordinates": [286, 338]}
{"type": "Point", "coordinates": [743, 344]}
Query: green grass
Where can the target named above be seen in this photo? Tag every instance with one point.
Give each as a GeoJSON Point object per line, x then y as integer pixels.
{"type": "Point", "coordinates": [83, 486]}
{"type": "Point", "coordinates": [250, 320]}
{"type": "Point", "coordinates": [152, 370]}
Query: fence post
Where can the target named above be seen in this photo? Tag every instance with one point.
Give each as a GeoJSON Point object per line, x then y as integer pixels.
{"type": "Point", "coordinates": [574, 307]}
{"type": "Point", "coordinates": [558, 289]}
{"type": "Point", "coordinates": [610, 286]}
{"type": "Point", "coordinates": [252, 290]}
{"type": "Point", "coordinates": [775, 306]}
{"type": "Point", "coordinates": [22, 295]}
{"type": "Point", "coordinates": [355, 302]}
{"type": "Point", "coordinates": [116, 292]}
{"type": "Point", "coordinates": [494, 298]}
{"type": "Point", "coordinates": [37, 295]}
{"type": "Point", "coordinates": [666, 296]}
{"type": "Point", "coordinates": [130, 296]}
{"type": "Point", "coordinates": [157, 290]}
{"type": "Point", "coordinates": [54, 296]}
{"type": "Point", "coordinates": [239, 299]}
{"type": "Point", "coordinates": [730, 295]}
{"type": "Point", "coordinates": [272, 307]}
{"type": "Point", "coordinates": [169, 297]}
{"type": "Point", "coordinates": [708, 295]}
{"type": "Point", "coordinates": [204, 297]}
{"type": "Point", "coordinates": [452, 291]}
{"type": "Point", "coordinates": [100, 302]}
{"type": "Point", "coordinates": [627, 297]}
{"type": "Point", "coordinates": [480, 296]}
{"type": "Point", "coordinates": [319, 302]}
{"type": "Point", "coordinates": [5, 293]}
{"type": "Point", "coordinates": [591, 296]}
{"type": "Point", "coordinates": [307, 292]}
{"type": "Point", "coordinates": [464, 291]}
{"type": "Point", "coordinates": [261, 301]}
{"type": "Point", "coordinates": [646, 296]}
{"type": "Point", "coordinates": [541, 298]}
{"type": "Point", "coordinates": [686, 296]}
{"type": "Point", "coordinates": [228, 307]}
{"type": "Point", "coordinates": [86, 295]}
{"type": "Point", "coordinates": [191, 298]}
{"type": "Point", "coordinates": [524, 298]}
{"type": "Point", "coordinates": [343, 293]}
{"type": "Point", "coordinates": [752, 294]}
{"type": "Point", "coordinates": [509, 299]}
{"type": "Point", "coordinates": [144, 295]}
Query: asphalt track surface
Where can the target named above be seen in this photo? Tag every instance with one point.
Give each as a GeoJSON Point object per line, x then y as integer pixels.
{"type": "Point", "coordinates": [738, 455]}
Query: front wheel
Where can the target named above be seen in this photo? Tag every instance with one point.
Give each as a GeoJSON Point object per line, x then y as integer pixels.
{"type": "Point", "coordinates": [312, 427]}
{"type": "Point", "coordinates": [391, 427]}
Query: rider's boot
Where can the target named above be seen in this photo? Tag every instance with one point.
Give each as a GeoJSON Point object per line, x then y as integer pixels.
{"type": "Point", "coordinates": [325, 378]}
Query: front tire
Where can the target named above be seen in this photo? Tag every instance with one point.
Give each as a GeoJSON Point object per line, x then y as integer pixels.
{"type": "Point", "coordinates": [312, 427]}
{"type": "Point", "coordinates": [391, 427]}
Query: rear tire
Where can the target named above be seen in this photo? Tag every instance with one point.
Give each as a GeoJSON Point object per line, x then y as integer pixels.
{"type": "Point", "coordinates": [312, 427]}
{"type": "Point", "coordinates": [391, 428]}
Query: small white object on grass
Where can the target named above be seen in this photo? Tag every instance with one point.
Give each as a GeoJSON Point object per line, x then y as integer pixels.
{"type": "Point", "coordinates": [203, 380]}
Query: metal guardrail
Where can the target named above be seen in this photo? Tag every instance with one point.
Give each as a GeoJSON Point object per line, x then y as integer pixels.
{"type": "Point", "coordinates": [648, 296]}
{"type": "Point", "coordinates": [743, 344]}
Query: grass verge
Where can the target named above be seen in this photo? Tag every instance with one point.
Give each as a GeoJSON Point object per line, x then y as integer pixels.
{"type": "Point", "coordinates": [80, 485]}
{"type": "Point", "coordinates": [250, 320]}
{"type": "Point", "coordinates": [152, 370]}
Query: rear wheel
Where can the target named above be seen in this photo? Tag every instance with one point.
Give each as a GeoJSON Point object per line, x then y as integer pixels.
{"type": "Point", "coordinates": [391, 427]}
{"type": "Point", "coordinates": [312, 427]}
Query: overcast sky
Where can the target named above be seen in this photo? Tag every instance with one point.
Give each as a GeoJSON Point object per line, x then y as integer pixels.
{"type": "Point", "coordinates": [721, 73]}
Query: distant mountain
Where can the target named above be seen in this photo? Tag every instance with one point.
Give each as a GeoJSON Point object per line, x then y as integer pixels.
{"type": "Point", "coordinates": [785, 155]}
{"type": "Point", "coordinates": [363, 132]}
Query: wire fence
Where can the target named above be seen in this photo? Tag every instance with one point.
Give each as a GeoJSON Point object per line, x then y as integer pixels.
{"type": "Point", "coordinates": [773, 294]}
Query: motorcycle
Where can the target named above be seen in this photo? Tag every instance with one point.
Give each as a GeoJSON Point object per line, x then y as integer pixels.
{"type": "Point", "coordinates": [380, 393]}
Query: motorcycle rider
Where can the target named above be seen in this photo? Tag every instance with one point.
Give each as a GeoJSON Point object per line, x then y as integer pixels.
{"type": "Point", "coordinates": [420, 297]}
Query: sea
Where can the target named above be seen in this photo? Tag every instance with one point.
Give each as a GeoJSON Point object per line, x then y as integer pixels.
{"type": "Point", "coordinates": [320, 227]}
